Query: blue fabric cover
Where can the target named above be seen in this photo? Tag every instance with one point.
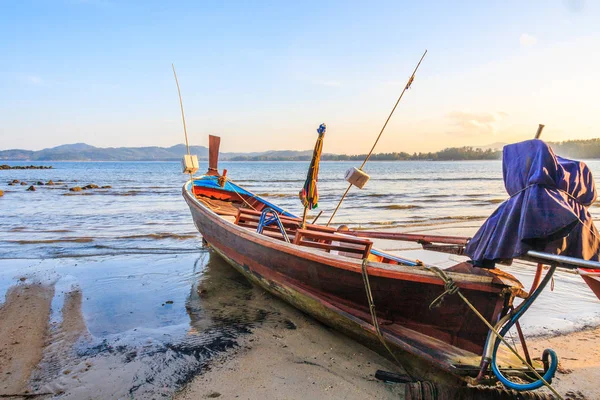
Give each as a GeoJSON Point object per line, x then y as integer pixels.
{"type": "Point", "coordinates": [546, 211]}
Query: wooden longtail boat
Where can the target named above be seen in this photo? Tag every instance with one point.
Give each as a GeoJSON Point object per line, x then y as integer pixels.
{"type": "Point", "coordinates": [320, 271]}
{"type": "Point", "coordinates": [405, 308]}
{"type": "Point", "coordinates": [592, 278]}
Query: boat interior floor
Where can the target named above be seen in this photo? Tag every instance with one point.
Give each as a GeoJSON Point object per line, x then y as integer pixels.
{"type": "Point", "coordinates": [220, 207]}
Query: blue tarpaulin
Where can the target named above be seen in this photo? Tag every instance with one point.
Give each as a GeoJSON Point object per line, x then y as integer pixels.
{"type": "Point", "coordinates": [546, 211]}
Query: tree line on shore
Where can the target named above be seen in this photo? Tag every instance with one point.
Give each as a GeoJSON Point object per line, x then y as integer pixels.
{"type": "Point", "coordinates": [579, 149]}
{"type": "Point", "coordinates": [455, 153]}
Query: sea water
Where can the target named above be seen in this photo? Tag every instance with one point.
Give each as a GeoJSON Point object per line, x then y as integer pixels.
{"type": "Point", "coordinates": [143, 212]}
{"type": "Point", "coordinates": [154, 296]}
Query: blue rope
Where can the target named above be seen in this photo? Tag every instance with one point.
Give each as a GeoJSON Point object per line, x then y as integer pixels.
{"type": "Point", "coordinates": [550, 368]}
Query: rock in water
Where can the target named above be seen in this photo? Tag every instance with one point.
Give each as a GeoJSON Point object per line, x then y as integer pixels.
{"type": "Point", "coordinates": [107, 187]}
{"type": "Point", "coordinates": [75, 189]}
{"type": "Point", "coordinates": [50, 183]}
{"type": "Point", "coordinates": [23, 183]}
{"type": "Point", "coordinates": [31, 188]}
{"type": "Point", "coordinates": [91, 186]}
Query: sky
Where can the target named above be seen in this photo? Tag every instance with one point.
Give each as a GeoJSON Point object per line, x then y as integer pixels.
{"type": "Point", "coordinates": [264, 74]}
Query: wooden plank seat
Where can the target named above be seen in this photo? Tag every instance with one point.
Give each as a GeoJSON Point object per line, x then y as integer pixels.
{"type": "Point", "coordinates": [249, 218]}
{"type": "Point", "coordinates": [346, 245]}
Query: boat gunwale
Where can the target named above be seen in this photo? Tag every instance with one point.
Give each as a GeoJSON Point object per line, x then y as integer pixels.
{"type": "Point", "coordinates": [395, 271]}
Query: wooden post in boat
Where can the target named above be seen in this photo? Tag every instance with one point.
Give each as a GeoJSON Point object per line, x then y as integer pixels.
{"type": "Point", "coordinates": [304, 217]}
{"type": "Point", "coordinates": [539, 131]}
{"type": "Point", "coordinates": [213, 155]}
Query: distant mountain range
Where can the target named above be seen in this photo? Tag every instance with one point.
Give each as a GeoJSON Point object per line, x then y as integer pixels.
{"type": "Point", "coordinates": [84, 152]}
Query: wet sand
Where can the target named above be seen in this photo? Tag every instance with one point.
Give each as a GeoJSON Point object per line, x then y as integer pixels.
{"type": "Point", "coordinates": [301, 359]}
{"type": "Point", "coordinates": [291, 357]}
{"type": "Point", "coordinates": [23, 330]}
{"type": "Point", "coordinates": [314, 361]}
{"type": "Point", "coordinates": [579, 368]}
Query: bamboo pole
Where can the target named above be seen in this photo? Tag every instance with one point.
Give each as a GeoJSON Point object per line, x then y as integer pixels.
{"type": "Point", "coordinates": [410, 81]}
{"type": "Point", "coordinates": [304, 217]}
{"type": "Point", "coordinates": [187, 144]}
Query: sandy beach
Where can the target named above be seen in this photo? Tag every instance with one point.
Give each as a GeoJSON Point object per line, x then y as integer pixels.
{"type": "Point", "coordinates": [288, 355]}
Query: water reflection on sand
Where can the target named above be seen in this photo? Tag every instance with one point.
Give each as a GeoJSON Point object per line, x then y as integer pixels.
{"type": "Point", "coordinates": [136, 325]}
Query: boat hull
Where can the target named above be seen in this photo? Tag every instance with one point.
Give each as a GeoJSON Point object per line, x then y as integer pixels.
{"type": "Point", "coordinates": [442, 344]}
{"type": "Point", "coordinates": [592, 278]}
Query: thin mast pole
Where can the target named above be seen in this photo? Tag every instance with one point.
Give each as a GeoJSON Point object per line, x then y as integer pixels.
{"type": "Point", "coordinates": [187, 144]}
{"type": "Point", "coordinates": [410, 80]}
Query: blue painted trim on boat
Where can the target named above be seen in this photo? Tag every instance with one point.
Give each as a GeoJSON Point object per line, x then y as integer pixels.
{"type": "Point", "coordinates": [400, 260]}
{"type": "Point", "coordinates": [212, 182]}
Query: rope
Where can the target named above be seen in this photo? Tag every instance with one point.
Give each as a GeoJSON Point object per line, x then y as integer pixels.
{"type": "Point", "coordinates": [448, 282]}
{"type": "Point", "coordinates": [365, 275]}
{"type": "Point", "coordinates": [450, 288]}
{"type": "Point", "coordinates": [283, 210]}
{"type": "Point", "coordinates": [224, 179]}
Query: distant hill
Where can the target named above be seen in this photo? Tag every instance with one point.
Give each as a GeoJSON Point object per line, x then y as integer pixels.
{"type": "Point", "coordinates": [84, 152]}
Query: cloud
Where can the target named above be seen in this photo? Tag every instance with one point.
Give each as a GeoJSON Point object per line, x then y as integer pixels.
{"type": "Point", "coordinates": [474, 124]}
{"type": "Point", "coordinates": [527, 40]}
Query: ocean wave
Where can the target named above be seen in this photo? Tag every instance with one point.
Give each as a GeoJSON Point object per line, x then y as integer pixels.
{"type": "Point", "coordinates": [459, 218]}
{"type": "Point", "coordinates": [437, 195]}
{"type": "Point", "coordinates": [494, 201]}
{"type": "Point", "coordinates": [129, 193]}
{"type": "Point", "coordinates": [161, 236]}
{"type": "Point", "coordinates": [374, 195]}
{"type": "Point", "coordinates": [399, 206]}
{"type": "Point", "coordinates": [50, 241]}
{"type": "Point", "coordinates": [431, 200]}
